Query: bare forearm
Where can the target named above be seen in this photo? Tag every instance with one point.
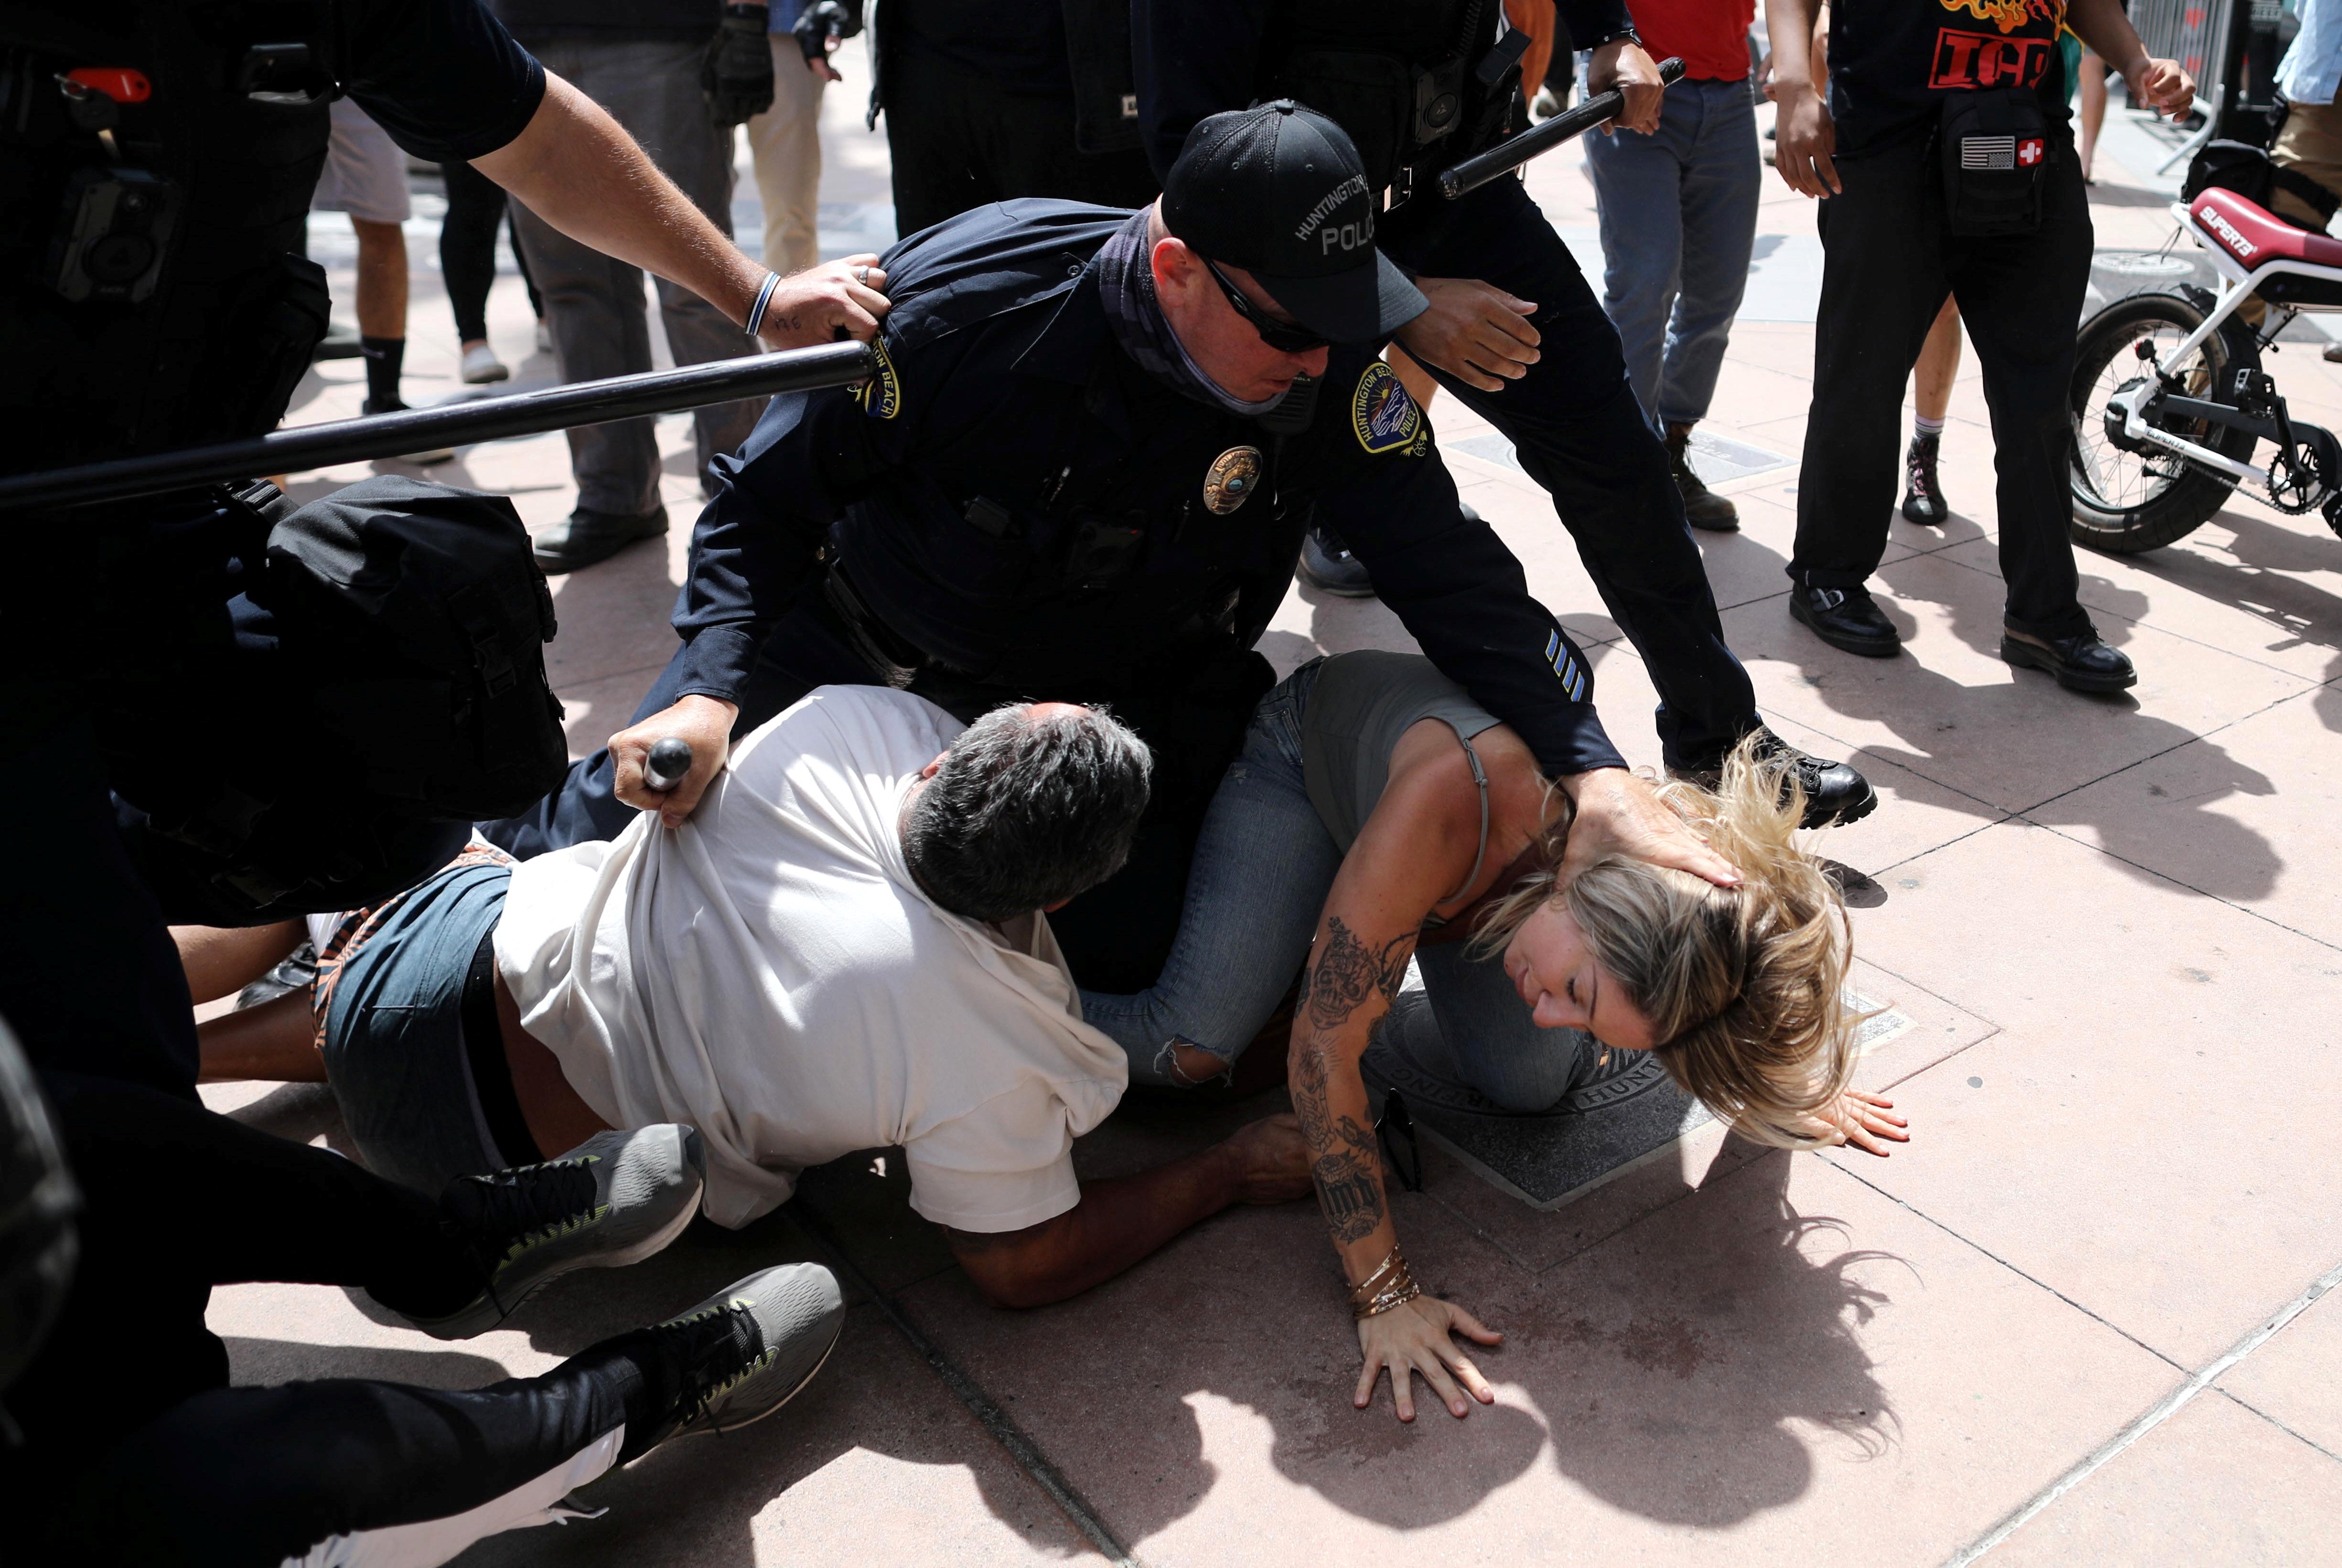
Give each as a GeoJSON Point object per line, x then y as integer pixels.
{"type": "Point", "coordinates": [1789, 23]}
{"type": "Point", "coordinates": [1118, 1222]}
{"type": "Point", "coordinates": [1329, 1098]}
{"type": "Point", "coordinates": [2105, 31]}
{"type": "Point", "coordinates": [578, 170]}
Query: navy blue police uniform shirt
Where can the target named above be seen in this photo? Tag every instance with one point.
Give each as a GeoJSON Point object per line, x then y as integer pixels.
{"type": "Point", "coordinates": [1016, 497]}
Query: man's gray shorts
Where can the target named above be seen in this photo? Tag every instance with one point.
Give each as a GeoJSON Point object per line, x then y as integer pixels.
{"type": "Point", "coordinates": [365, 171]}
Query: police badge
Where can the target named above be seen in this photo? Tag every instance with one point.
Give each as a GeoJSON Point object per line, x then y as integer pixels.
{"type": "Point", "coordinates": [1228, 484]}
{"type": "Point", "coordinates": [881, 396]}
{"type": "Point", "coordinates": [1383, 416]}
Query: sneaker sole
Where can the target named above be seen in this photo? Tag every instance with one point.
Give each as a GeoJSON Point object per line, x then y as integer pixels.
{"type": "Point", "coordinates": [2022, 657]}
{"type": "Point", "coordinates": [1863, 647]}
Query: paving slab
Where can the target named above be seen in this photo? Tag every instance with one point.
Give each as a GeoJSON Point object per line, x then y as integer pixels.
{"type": "Point", "coordinates": [1782, 1367]}
{"type": "Point", "coordinates": [2101, 1143]}
{"type": "Point", "coordinates": [2296, 1379]}
{"type": "Point", "coordinates": [1948, 709]}
{"type": "Point", "coordinates": [2215, 1484]}
{"type": "Point", "coordinates": [2264, 837]}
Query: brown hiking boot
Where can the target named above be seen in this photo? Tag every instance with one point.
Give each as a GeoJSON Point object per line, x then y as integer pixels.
{"type": "Point", "coordinates": [1702, 507]}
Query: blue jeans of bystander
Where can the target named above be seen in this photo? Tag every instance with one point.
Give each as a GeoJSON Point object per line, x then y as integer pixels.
{"type": "Point", "coordinates": [1678, 213]}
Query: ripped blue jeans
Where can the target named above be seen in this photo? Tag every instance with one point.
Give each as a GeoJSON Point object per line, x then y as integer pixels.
{"type": "Point", "coordinates": [1264, 865]}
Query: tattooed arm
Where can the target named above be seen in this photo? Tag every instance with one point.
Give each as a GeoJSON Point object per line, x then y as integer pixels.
{"type": "Point", "coordinates": [1415, 849]}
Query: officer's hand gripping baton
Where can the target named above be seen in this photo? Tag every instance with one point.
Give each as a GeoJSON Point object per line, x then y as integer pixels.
{"type": "Point", "coordinates": [668, 764]}
{"type": "Point", "coordinates": [1514, 151]}
{"type": "Point", "coordinates": [445, 424]}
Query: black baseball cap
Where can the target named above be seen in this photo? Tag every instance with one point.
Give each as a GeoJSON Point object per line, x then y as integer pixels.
{"type": "Point", "coordinates": [1278, 190]}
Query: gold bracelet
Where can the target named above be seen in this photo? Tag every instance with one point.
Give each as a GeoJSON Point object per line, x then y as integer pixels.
{"type": "Point", "coordinates": [1398, 1295]}
{"type": "Point", "coordinates": [1389, 1286]}
{"type": "Point", "coordinates": [1366, 1288]}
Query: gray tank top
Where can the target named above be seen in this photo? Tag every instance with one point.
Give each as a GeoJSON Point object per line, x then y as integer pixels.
{"type": "Point", "coordinates": [1362, 704]}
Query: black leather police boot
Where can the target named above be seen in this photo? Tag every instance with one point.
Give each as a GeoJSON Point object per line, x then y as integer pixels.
{"type": "Point", "coordinates": [587, 537]}
{"type": "Point", "coordinates": [1327, 565]}
{"type": "Point", "coordinates": [1847, 619]}
{"type": "Point", "coordinates": [1923, 494]}
{"type": "Point", "coordinates": [1836, 794]}
{"type": "Point", "coordinates": [2081, 663]}
{"type": "Point", "coordinates": [1702, 507]}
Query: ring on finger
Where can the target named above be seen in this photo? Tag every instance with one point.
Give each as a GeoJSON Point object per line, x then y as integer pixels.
{"type": "Point", "coordinates": [862, 276]}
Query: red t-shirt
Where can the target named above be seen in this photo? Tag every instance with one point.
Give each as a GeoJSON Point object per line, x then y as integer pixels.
{"type": "Point", "coordinates": [1711, 35]}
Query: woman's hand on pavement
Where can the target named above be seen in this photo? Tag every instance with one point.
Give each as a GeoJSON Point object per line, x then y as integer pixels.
{"type": "Point", "coordinates": [1621, 64]}
{"type": "Point", "coordinates": [827, 304]}
{"type": "Point", "coordinates": [1474, 331]}
{"type": "Point", "coordinates": [1619, 813]}
{"type": "Point", "coordinates": [1415, 1337]}
{"type": "Point", "coordinates": [1857, 1119]}
{"type": "Point", "coordinates": [706, 722]}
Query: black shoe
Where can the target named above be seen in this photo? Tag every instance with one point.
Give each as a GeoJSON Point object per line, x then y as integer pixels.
{"type": "Point", "coordinates": [2081, 663]}
{"type": "Point", "coordinates": [339, 343]}
{"type": "Point", "coordinates": [1847, 619]}
{"type": "Point", "coordinates": [587, 537]}
{"type": "Point", "coordinates": [295, 972]}
{"type": "Point", "coordinates": [743, 1353]}
{"type": "Point", "coordinates": [1327, 565]}
{"type": "Point", "coordinates": [1923, 494]}
{"type": "Point", "coordinates": [1836, 794]}
{"type": "Point", "coordinates": [1702, 507]}
{"type": "Point", "coordinates": [2332, 354]}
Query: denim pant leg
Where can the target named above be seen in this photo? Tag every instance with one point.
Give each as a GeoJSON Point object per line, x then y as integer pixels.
{"type": "Point", "coordinates": [1262, 865]}
{"type": "Point", "coordinates": [1638, 184]}
{"type": "Point", "coordinates": [1722, 182]}
{"type": "Point", "coordinates": [1477, 1032]}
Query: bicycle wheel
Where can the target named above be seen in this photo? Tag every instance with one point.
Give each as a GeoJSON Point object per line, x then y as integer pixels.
{"type": "Point", "coordinates": [2128, 496]}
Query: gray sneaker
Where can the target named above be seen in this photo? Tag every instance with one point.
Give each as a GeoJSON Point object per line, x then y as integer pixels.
{"type": "Point", "coordinates": [745, 1350]}
{"type": "Point", "coordinates": [614, 1200]}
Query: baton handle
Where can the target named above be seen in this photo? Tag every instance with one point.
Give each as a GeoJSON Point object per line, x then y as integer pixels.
{"type": "Point", "coordinates": [1514, 151]}
{"type": "Point", "coordinates": [668, 764]}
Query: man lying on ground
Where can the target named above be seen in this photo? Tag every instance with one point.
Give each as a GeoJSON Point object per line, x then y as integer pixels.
{"type": "Point", "coordinates": [1378, 815]}
{"type": "Point", "coordinates": [845, 946]}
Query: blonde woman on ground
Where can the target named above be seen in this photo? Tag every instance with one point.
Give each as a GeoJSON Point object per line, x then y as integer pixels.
{"type": "Point", "coordinates": [1376, 816]}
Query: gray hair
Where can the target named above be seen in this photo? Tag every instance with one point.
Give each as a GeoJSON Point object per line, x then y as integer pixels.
{"type": "Point", "coordinates": [1027, 811]}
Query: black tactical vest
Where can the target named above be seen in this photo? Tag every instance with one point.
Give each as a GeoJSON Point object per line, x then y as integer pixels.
{"type": "Point", "coordinates": [1414, 81]}
{"type": "Point", "coordinates": [156, 161]}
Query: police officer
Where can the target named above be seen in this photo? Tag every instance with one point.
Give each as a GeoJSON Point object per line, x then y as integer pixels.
{"type": "Point", "coordinates": [1418, 85]}
{"type": "Point", "coordinates": [1083, 473]}
{"type": "Point", "coordinates": [155, 165]}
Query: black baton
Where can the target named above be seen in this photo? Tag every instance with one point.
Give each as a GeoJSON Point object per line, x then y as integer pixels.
{"type": "Point", "coordinates": [1514, 151]}
{"type": "Point", "coordinates": [447, 424]}
{"type": "Point", "coordinates": [668, 764]}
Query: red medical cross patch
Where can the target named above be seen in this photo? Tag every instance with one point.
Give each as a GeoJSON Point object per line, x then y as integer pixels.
{"type": "Point", "coordinates": [2028, 151]}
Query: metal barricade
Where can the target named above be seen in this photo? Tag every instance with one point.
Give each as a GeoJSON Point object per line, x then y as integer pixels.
{"type": "Point", "coordinates": [2194, 32]}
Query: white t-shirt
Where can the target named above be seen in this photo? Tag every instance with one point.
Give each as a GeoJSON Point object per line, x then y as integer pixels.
{"type": "Point", "coordinates": [769, 973]}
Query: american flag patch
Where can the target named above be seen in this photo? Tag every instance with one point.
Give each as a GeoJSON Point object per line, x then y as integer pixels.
{"type": "Point", "coordinates": [1988, 152]}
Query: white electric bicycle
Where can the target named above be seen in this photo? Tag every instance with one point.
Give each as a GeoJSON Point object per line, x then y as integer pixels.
{"type": "Point", "coordinates": [2169, 400]}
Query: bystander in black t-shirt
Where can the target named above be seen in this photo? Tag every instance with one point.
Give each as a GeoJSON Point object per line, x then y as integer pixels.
{"type": "Point", "coordinates": [1016, 44]}
{"type": "Point", "coordinates": [442, 76]}
{"type": "Point", "coordinates": [1892, 62]}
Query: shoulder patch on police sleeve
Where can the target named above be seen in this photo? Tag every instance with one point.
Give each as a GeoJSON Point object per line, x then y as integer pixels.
{"type": "Point", "coordinates": [881, 396]}
{"type": "Point", "coordinates": [1383, 415]}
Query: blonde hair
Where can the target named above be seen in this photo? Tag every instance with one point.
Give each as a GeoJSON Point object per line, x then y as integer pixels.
{"type": "Point", "coordinates": [1742, 986]}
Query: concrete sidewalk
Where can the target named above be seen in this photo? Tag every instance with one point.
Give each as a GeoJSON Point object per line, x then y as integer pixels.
{"type": "Point", "coordinates": [2040, 1333]}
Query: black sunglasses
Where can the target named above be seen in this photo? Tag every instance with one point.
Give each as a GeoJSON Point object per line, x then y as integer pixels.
{"type": "Point", "coordinates": [1282, 337]}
